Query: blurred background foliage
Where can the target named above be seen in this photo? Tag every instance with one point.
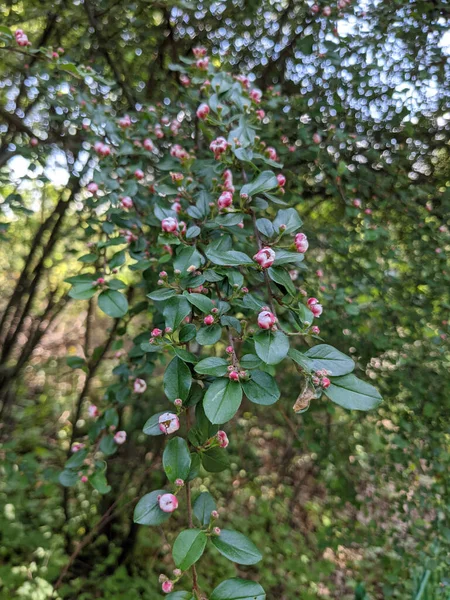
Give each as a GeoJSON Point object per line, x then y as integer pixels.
{"type": "Point", "coordinates": [348, 506]}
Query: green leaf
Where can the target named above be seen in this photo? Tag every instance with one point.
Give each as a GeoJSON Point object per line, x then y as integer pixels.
{"type": "Point", "coordinates": [250, 361]}
{"type": "Point", "coordinates": [261, 388]}
{"type": "Point", "coordinates": [222, 399]}
{"type": "Point", "coordinates": [209, 334]}
{"type": "Point", "coordinates": [107, 445]}
{"type": "Point", "coordinates": [236, 547]}
{"type": "Point", "coordinates": [188, 548]}
{"type": "Point", "coordinates": [238, 589]}
{"type": "Point", "coordinates": [68, 478]}
{"type": "Point", "coordinates": [244, 133]}
{"type": "Point", "coordinates": [83, 290]}
{"type": "Point", "coordinates": [203, 507]}
{"type": "Point", "coordinates": [187, 333]}
{"type": "Point", "coordinates": [302, 360]}
{"type": "Point", "coordinates": [187, 256]}
{"type": "Point", "coordinates": [177, 380]}
{"type": "Point", "coordinates": [215, 460]}
{"type": "Point", "coordinates": [76, 460]}
{"type": "Point", "coordinates": [327, 357]}
{"type": "Point", "coordinates": [271, 346]}
{"type": "Point", "coordinates": [147, 511]}
{"type": "Point", "coordinates": [263, 183]}
{"type": "Point", "coordinates": [99, 482]}
{"type": "Point", "coordinates": [288, 217]}
{"type": "Point", "coordinates": [227, 258]}
{"type": "Point", "coordinates": [200, 301]}
{"type": "Point", "coordinates": [176, 459]}
{"type": "Point", "coordinates": [175, 310]}
{"type": "Point", "coordinates": [353, 393]}
{"type": "Point", "coordinates": [161, 295]}
{"type": "Point", "coordinates": [282, 277]}
{"type": "Point", "coordinates": [284, 257]}
{"type": "Point", "coordinates": [75, 362]}
{"type": "Point", "coordinates": [88, 258]}
{"type": "Point", "coordinates": [151, 426]}
{"type": "Point", "coordinates": [113, 303]}
{"type": "Point", "coordinates": [212, 365]}
{"type": "Point", "coordinates": [180, 596]}
{"type": "Point", "coordinates": [185, 355]}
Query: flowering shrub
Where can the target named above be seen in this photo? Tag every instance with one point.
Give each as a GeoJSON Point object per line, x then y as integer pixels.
{"type": "Point", "coordinates": [194, 203]}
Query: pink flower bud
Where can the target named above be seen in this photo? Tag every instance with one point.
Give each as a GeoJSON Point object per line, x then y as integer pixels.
{"type": "Point", "coordinates": [126, 202]}
{"type": "Point", "coordinates": [316, 138]}
{"type": "Point", "coordinates": [271, 153]}
{"type": "Point", "coordinates": [315, 307]}
{"type": "Point", "coordinates": [167, 329]}
{"type": "Point", "coordinates": [315, 330]}
{"type": "Point", "coordinates": [167, 586]}
{"type": "Point", "coordinates": [92, 187]}
{"type": "Point", "coordinates": [234, 376]}
{"type": "Point", "coordinates": [156, 332]}
{"type": "Point", "coordinates": [301, 243]}
{"type": "Point", "coordinates": [229, 349]}
{"type": "Point", "coordinates": [179, 482]}
{"type": "Point", "coordinates": [163, 274]}
{"type": "Point", "coordinates": [139, 386]}
{"type": "Point", "coordinates": [281, 180]}
{"type": "Point", "coordinates": [256, 95]}
{"type": "Point", "coordinates": [93, 411]}
{"type": "Point", "coordinates": [169, 422]}
{"type": "Point", "coordinates": [214, 514]}
{"type": "Point", "coordinates": [202, 111]}
{"type": "Point", "coordinates": [178, 402]}
{"type": "Point", "coordinates": [216, 530]}
{"type": "Point", "coordinates": [202, 64]}
{"type": "Point", "coordinates": [225, 200]}
{"type": "Point", "coordinates": [266, 319]}
{"type": "Point", "coordinates": [120, 437]}
{"type": "Point", "coordinates": [76, 446]}
{"type": "Point", "coordinates": [265, 257]}
{"type": "Point", "coordinates": [177, 572]}
{"type": "Point", "coordinates": [208, 320]}
{"type": "Point", "coordinates": [139, 174]}
{"type": "Point", "coordinates": [169, 225]}
{"type": "Point", "coordinates": [168, 503]}
{"type": "Point", "coordinates": [100, 281]}
{"type": "Point", "coordinates": [148, 145]}
{"type": "Point", "coordinates": [357, 203]}
{"type": "Point", "coordinates": [260, 114]}
{"type": "Point", "coordinates": [326, 11]}
{"type": "Point", "coordinates": [325, 382]}
{"type": "Point", "coordinates": [223, 439]}
{"type": "Point", "coordinates": [83, 479]}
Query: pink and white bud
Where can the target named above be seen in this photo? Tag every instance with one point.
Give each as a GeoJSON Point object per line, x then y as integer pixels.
{"type": "Point", "coordinates": [225, 200]}
{"type": "Point", "coordinates": [357, 203]}
{"type": "Point", "coordinates": [218, 146]}
{"type": "Point", "coordinates": [178, 402]}
{"type": "Point", "coordinates": [315, 330]}
{"type": "Point", "coordinates": [326, 11]}
{"type": "Point", "coordinates": [76, 447]}
{"type": "Point", "coordinates": [216, 530]}
{"type": "Point", "coordinates": [265, 257]}
{"type": "Point", "coordinates": [168, 503]}
{"type": "Point", "coordinates": [281, 179]}
{"type": "Point", "coordinates": [83, 479]}
{"type": "Point", "coordinates": [124, 122]}
{"type": "Point", "coordinates": [325, 382]}
{"type": "Point", "coordinates": [169, 225]}
{"type": "Point", "coordinates": [202, 63]}
{"type": "Point", "coordinates": [156, 332]}
{"type": "Point", "coordinates": [315, 307]}
{"type": "Point", "coordinates": [139, 386]}
{"type": "Point", "coordinates": [176, 177]}
{"type": "Point", "coordinates": [266, 319]}
{"type": "Point", "coordinates": [199, 51]}
{"type": "Point", "coordinates": [169, 422]}
{"type": "Point", "coordinates": [234, 376]}
{"type": "Point", "coordinates": [203, 111]}
{"type": "Point", "coordinates": [126, 202]}
{"type": "Point", "coordinates": [149, 145]}
{"type": "Point", "coordinates": [179, 482]}
{"type": "Point", "coordinates": [271, 153]}
{"type": "Point", "coordinates": [214, 514]}
{"type": "Point", "coordinates": [229, 350]}
{"type": "Point", "coordinates": [301, 243]}
{"type": "Point", "coordinates": [167, 586]}
{"type": "Point", "coordinates": [92, 187]}
{"type": "Point", "coordinates": [139, 174]}
{"type": "Point", "coordinates": [120, 437]}
{"type": "Point", "coordinates": [93, 411]}
{"type": "Point", "coordinates": [256, 95]}
{"type": "Point", "coordinates": [222, 438]}
{"type": "Point", "coordinates": [208, 320]}
{"type": "Point", "coordinates": [260, 114]}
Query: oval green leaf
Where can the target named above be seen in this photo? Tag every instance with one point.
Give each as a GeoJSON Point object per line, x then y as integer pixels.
{"type": "Point", "coordinates": [236, 547]}
{"type": "Point", "coordinates": [176, 459]}
{"type": "Point", "coordinates": [222, 399]}
{"type": "Point", "coordinates": [261, 388]}
{"type": "Point", "coordinates": [238, 589]}
{"type": "Point", "coordinates": [353, 393]}
{"type": "Point", "coordinates": [188, 548]}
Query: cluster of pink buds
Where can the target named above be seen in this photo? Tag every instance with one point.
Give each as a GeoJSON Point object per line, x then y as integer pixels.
{"type": "Point", "coordinates": [149, 145]}
{"type": "Point", "coordinates": [139, 386]}
{"type": "Point", "coordinates": [218, 146]}
{"type": "Point", "coordinates": [129, 236]}
{"type": "Point", "coordinates": [179, 152]}
{"type": "Point", "coordinates": [199, 51]}
{"type": "Point", "coordinates": [301, 243]}
{"type": "Point", "coordinates": [102, 149]}
{"type": "Point", "coordinates": [320, 379]}
{"type": "Point", "coordinates": [126, 202]}
{"type": "Point", "coordinates": [21, 38]}
{"type": "Point", "coordinates": [92, 187]}
{"type": "Point", "coordinates": [169, 423]}
{"type": "Point", "coordinates": [228, 181]}
{"type": "Point", "coordinates": [202, 111]}
{"type": "Point", "coordinates": [93, 411]}
{"type": "Point", "coordinates": [271, 153]}
{"type": "Point", "coordinates": [243, 80]}
{"type": "Point", "coordinates": [256, 95]}
{"type": "Point", "coordinates": [176, 176]}
{"type": "Point", "coordinates": [266, 319]}
{"type": "Point", "coordinates": [265, 257]}
{"type": "Point", "coordinates": [169, 225]}
{"type": "Point", "coordinates": [315, 307]}
{"type": "Point", "coordinates": [124, 122]}
{"type": "Point", "coordinates": [76, 447]}
{"type": "Point", "coordinates": [223, 439]}
{"type": "Point", "coordinates": [167, 586]}
{"type": "Point", "coordinates": [168, 502]}
{"type": "Point", "coordinates": [156, 332]}
{"type": "Point", "coordinates": [202, 63]}
{"type": "Point", "coordinates": [120, 437]}
{"type": "Point", "coordinates": [225, 200]}
{"type": "Point", "coordinates": [343, 4]}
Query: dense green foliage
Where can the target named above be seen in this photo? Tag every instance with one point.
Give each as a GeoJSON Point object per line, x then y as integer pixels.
{"type": "Point", "coordinates": [338, 503]}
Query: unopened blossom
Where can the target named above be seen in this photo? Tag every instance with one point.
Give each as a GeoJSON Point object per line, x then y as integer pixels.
{"type": "Point", "coordinates": [281, 179]}
{"type": "Point", "coordinates": [315, 307]}
{"type": "Point", "coordinates": [124, 122]}
{"type": "Point", "coordinates": [315, 330]}
{"type": "Point", "coordinates": [202, 63]}
{"type": "Point", "coordinates": [179, 482]}
{"type": "Point", "coordinates": [260, 114]}
{"type": "Point", "coordinates": [169, 422]}
{"type": "Point", "coordinates": [199, 51]}
{"type": "Point", "coordinates": [208, 320]}
{"type": "Point", "coordinates": [120, 437]}
{"type": "Point", "coordinates": [325, 382]}
{"type": "Point", "coordinates": [167, 586]}
{"type": "Point", "coordinates": [214, 514]}
{"type": "Point", "coordinates": [266, 319]}
{"type": "Point", "coordinates": [357, 203]}
{"type": "Point", "coordinates": [203, 111]}
{"type": "Point", "coordinates": [21, 38]}
{"type": "Point", "coordinates": [218, 146]}
{"type": "Point", "coordinates": [216, 530]}
{"type": "Point", "coordinates": [76, 446]}
{"type": "Point", "coordinates": [256, 95]}
{"type": "Point", "coordinates": [176, 176]}
{"type": "Point", "coordinates": [92, 187]}
{"type": "Point", "coordinates": [271, 153]}
{"type": "Point", "coordinates": [168, 503]}
{"type": "Point", "coordinates": [234, 376]}
{"type": "Point", "coordinates": [83, 479]}
{"type": "Point", "coordinates": [225, 200]}
{"type": "Point", "coordinates": [265, 257]}
{"type": "Point", "coordinates": [169, 225]}
{"type": "Point", "coordinates": [177, 151]}
{"type": "Point", "coordinates": [102, 149]}
{"type": "Point", "coordinates": [139, 174]}
{"type": "Point", "coordinates": [301, 243]}
{"type": "Point", "coordinates": [93, 411]}
{"type": "Point", "coordinates": [326, 11]}
{"type": "Point", "coordinates": [243, 80]}
{"type": "Point", "coordinates": [126, 202]}
{"type": "Point", "coordinates": [139, 386]}
{"type": "Point", "coordinates": [156, 332]}
{"type": "Point", "coordinates": [148, 145]}
{"type": "Point", "coordinates": [222, 438]}
{"type": "Point", "coordinates": [316, 138]}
